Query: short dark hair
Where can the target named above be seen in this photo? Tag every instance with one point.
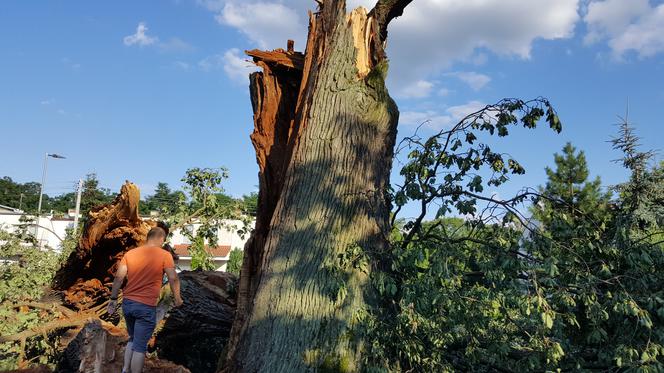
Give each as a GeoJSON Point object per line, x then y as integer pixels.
{"type": "Point", "coordinates": [156, 232]}
{"type": "Point", "coordinates": [164, 226]}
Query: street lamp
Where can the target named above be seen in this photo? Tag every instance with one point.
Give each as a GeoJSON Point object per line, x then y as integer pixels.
{"type": "Point", "coordinates": [41, 189]}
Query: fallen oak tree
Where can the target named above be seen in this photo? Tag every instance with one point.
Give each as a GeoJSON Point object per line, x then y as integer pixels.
{"type": "Point", "coordinates": [84, 283]}
{"type": "Point", "coordinates": [109, 232]}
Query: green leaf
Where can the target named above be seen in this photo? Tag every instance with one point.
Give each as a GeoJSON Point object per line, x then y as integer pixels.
{"type": "Point", "coordinates": [547, 319]}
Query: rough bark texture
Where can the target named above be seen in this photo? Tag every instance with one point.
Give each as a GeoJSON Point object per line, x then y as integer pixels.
{"type": "Point", "coordinates": [195, 334]}
{"type": "Point", "coordinates": [109, 232]}
{"type": "Point", "coordinates": [324, 160]}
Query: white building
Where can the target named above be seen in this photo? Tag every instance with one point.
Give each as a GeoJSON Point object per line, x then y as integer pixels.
{"type": "Point", "coordinates": [7, 209]}
{"type": "Point", "coordinates": [227, 239]}
{"type": "Point", "coordinates": [48, 230]}
{"type": "Point", "coordinates": [51, 230]}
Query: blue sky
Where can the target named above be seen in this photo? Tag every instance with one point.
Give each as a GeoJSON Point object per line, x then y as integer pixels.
{"type": "Point", "coordinates": [143, 90]}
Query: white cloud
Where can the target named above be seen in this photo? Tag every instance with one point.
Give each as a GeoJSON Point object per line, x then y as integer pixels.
{"type": "Point", "coordinates": [417, 89]}
{"type": "Point", "coordinates": [433, 34]}
{"type": "Point", "coordinates": [646, 37]}
{"type": "Point", "coordinates": [611, 17]}
{"type": "Point", "coordinates": [234, 65]}
{"type": "Point", "coordinates": [267, 24]}
{"type": "Point", "coordinates": [461, 111]}
{"type": "Point", "coordinates": [427, 39]}
{"type": "Point", "coordinates": [479, 59]}
{"type": "Point", "coordinates": [48, 101]}
{"type": "Point", "coordinates": [62, 112]}
{"type": "Point", "coordinates": [430, 119]}
{"type": "Point", "coordinates": [438, 121]}
{"type": "Point", "coordinates": [474, 80]}
{"type": "Point", "coordinates": [627, 25]}
{"type": "Point", "coordinates": [140, 37]}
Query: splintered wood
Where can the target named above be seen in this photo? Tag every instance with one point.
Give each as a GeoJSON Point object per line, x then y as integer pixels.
{"type": "Point", "coordinates": [110, 231]}
{"type": "Point", "coordinates": [361, 27]}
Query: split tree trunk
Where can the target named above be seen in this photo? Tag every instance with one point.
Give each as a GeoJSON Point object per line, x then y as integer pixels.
{"type": "Point", "coordinates": [324, 135]}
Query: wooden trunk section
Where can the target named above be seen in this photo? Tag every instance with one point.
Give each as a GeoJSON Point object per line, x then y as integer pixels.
{"type": "Point", "coordinates": [324, 137]}
{"type": "Point", "coordinates": [195, 334]}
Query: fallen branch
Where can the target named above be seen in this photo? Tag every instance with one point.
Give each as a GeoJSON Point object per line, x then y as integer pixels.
{"type": "Point", "coordinates": [46, 307]}
{"type": "Point", "coordinates": [76, 321]}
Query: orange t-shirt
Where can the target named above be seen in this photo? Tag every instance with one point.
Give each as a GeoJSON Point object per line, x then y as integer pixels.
{"type": "Point", "coordinates": [145, 271]}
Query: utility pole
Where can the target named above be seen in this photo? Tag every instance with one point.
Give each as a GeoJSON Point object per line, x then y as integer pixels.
{"type": "Point", "coordinates": [78, 204]}
{"type": "Point", "coordinates": [41, 189]}
{"type": "Point", "coordinates": [20, 203]}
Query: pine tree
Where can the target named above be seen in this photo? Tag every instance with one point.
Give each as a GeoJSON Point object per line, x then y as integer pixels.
{"type": "Point", "coordinates": [163, 200]}
{"type": "Point", "coordinates": [569, 200]}
{"type": "Point", "coordinates": [93, 196]}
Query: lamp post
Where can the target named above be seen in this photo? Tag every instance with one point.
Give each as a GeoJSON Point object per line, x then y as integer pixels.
{"type": "Point", "coordinates": [41, 189]}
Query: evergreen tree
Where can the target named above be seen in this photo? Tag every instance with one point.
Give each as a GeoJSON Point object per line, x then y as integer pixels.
{"type": "Point", "coordinates": [643, 195]}
{"type": "Point", "coordinates": [569, 200]}
{"type": "Point", "coordinates": [92, 195]}
{"type": "Point", "coordinates": [163, 200]}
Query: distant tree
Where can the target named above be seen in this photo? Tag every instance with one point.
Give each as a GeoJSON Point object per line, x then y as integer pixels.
{"type": "Point", "coordinates": [62, 203]}
{"type": "Point", "coordinates": [22, 196]}
{"type": "Point", "coordinates": [208, 206]}
{"type": "Point", "coordinates": [643, 195]}
{"type": "Point", "coordinates": [224, 199]}
{"type": "Point", "coordinates": [250, 203]}
{"type": "Point", "coordinates": [234, 262]}
{"type": "Point", "coordinates": [92, 195]}
{"type": "Point", "coordinates": [163, 200]}
{"type": "Point", "coordinates": [569, 200]}
{"type": "Point", "coordinates": [583, 290]}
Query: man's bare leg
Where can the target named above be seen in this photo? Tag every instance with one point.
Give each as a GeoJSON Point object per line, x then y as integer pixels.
{"type": "Point", "coordinates": [137, 360]}
{"type": "Point", "coordinates": [127, 357]}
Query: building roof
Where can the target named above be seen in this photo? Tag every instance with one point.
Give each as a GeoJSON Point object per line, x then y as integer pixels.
{"type": "Point", "coordinates": [221, 250]}
{"type": "Point", "coordinates": [9, 209]}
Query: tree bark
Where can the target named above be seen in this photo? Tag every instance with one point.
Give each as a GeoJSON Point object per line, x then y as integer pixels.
{"type": "Point", "coordinates": [194, 334]}
{"type": "Point", "coordinates": [325, 128]}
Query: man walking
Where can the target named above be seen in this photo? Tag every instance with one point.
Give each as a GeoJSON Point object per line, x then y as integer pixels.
{"type": "Point", "coordinates": [144, 269]}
